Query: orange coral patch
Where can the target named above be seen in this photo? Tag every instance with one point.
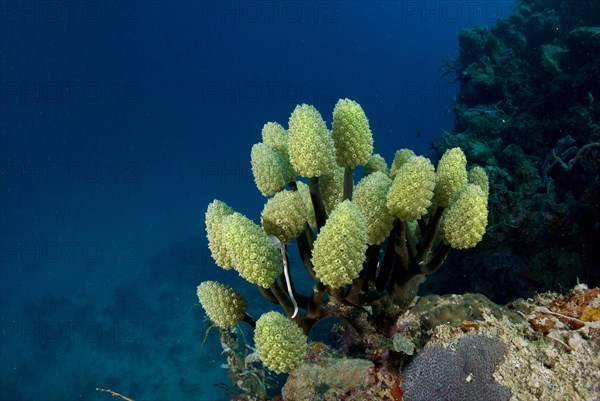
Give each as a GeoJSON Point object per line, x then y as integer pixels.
{"type": "Point", "coordinates": [396, 390]}
{"type": "Point", "coordinates": [542, 323]}
{"type": "Point", "coordinates": [590, 314]}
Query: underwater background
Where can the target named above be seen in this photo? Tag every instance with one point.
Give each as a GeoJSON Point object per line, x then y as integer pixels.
{"type": "Point", "coordinates": [121, 121]}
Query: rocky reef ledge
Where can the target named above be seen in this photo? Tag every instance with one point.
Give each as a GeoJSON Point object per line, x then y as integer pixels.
{"type": "Point", "coordinates": [466, 347]}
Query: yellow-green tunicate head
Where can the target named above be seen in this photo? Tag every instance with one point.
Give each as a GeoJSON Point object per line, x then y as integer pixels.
{"type": "Point", "coordinates": [464, 220]}
{"type": "Point", "coordinates": [412, 189]}
{"type": "Point", "coordinates": [284, 215]}
{"type": "Point", "coordinates": [312, 152]}
{"type": "Point", "coordinates": [304, 192]}
{"type": "Point", "coordinates": [254, 255]}
{"type": "Point", "coordinates": [274, 135]}
{"type": "Point", "coordinates": [451, 176]}
{"type": "Point", "coordinates": [351, 134]}
{"type": "Point", "coordinates": [280, 343]}
{"type": "Point", "coordinates": [215, 213]}
{"type": "Point", "coordinates": [339, 250]}
{"type": "Point", "coordinates": [268, 167]}
{"type": "Point", "coordinates": [477, 175]}
{"type": "Point", "coordinates": [331, 186]}
{"type": "Point", "coordinates": [370, 195]}
{"type": "Point", "coordinates": [401, 157]}
{"type": "Point", "coordinates": [376, 163]}
{"type": "Point", "coordinates": [224, 306]}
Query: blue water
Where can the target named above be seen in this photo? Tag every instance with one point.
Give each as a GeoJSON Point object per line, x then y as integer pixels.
{"type": "Point", "coordinates": [121, 121]}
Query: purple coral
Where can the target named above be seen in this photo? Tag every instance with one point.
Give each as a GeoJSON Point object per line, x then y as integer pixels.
{"type": "Point", "coordinates": [463, 372]}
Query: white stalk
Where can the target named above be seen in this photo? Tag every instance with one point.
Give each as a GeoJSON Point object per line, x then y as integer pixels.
{"type": "Point", "coordinates": [286, 272]}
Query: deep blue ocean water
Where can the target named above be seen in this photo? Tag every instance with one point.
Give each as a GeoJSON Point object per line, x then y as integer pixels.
{"type": "Point", "coordinates": [121, 121]}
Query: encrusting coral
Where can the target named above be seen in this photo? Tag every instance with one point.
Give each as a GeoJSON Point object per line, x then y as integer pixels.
{"type": "Point", "coordinates": [367, 247]}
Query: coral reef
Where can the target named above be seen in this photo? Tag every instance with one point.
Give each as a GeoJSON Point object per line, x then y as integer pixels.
{"type": "Point", "coordinates": [528, 111]}
{"type": "Point", "coordinates": [527, 125]}
{"type": "Point", "coordinates": [327, 380]}
{"type": "Point", "coordinates": [519, 177]}
{"type": "Point", "coordinates": [368, 247]}
{"type": "Point", "coordinates": [562, 364]}
{"type": "Point", "coordinates": [458, 371]}
{"type": "Point", "coordinates": [468, 348]}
